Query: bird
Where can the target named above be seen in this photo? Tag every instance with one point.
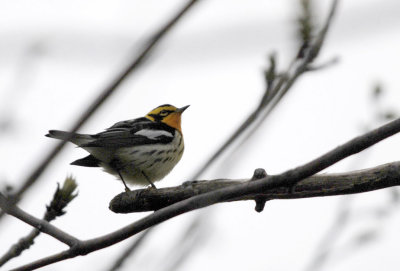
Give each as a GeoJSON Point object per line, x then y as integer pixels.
{"type": "Point", "coordinates": [139, 151]}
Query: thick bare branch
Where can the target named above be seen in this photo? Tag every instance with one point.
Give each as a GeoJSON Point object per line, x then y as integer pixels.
{"type": "Point", "coordinates": [321, 185]}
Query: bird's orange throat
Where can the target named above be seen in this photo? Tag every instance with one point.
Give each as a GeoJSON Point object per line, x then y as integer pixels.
{"type": "Point", "coordinates": [174, 120]}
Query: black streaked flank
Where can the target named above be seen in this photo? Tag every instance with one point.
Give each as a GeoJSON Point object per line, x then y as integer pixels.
{"type": "Point", "coordinates": [140, 163]}
{"type": "Point", "coordinates": [149, 152]}
{"type": "Point", "coordinates": [166, 159]}
{"type": "Point", "coordinates": [157, 160]}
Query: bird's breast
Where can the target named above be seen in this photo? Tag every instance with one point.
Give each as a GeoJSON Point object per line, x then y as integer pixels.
{"type": "Point", "coordinates": [155, 160]}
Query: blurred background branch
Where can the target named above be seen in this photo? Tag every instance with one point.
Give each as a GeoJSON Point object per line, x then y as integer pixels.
{"type": "Point", "coordinates": [130, 250]}
{"type": "Point", "coordinates": [345, 216]}
{"type": "Point", "coordinates": [279, 83]}
{"type": "Point", "coordinates": [136, 62]}
{"type": "Point", "coordinates": [61, 198]}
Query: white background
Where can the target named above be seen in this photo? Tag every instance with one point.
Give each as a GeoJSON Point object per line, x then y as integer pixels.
{"type": "Point", "coordinates": [55, 57]}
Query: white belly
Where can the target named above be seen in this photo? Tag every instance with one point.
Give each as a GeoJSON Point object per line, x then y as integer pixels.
{"type": "Point", "coordinates": [155, 161]}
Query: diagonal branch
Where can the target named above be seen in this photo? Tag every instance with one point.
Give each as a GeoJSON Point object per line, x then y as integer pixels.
{"type": "Point", "coordinates": [286, 179]}
{"type": "Point", "coordinates": [277, 87]}
{"type": "Point", "coordinates": [309, 52]}
{"type": "Point", "coordinates": [104, 95]}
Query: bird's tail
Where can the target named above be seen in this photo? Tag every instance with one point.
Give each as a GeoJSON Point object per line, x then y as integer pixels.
{"type": "Point", "coordinates": [77, 139]}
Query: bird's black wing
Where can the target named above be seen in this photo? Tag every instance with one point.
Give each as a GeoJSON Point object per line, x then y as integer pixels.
{"type": "Point", "coordinates": [131, 125]}
{"type": "Point", "coordinates": [132, 133]}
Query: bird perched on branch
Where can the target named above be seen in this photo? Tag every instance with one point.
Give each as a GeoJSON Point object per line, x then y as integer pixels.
{"type": "Point", "coordinates": [139, 151]}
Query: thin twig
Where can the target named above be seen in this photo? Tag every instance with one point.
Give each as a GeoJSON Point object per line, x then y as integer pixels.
{"type": "Point", "coordinates": [40, 224]}
{"type": "Point", "coordinates": [273, 95]}
{"type": "Point", "coordinates": [104, 95]}
{"type": "Point", "coordinates": [288, 178]}
{"type": "Point", "coordinates": [298, 67]}
{"type": "Point", "coordinates": [61, 198]}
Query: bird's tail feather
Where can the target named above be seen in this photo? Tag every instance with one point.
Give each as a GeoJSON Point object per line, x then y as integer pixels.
{"type": "Point", "coordinates": [75, 138]}
{"type": "Point", "coordinates": [88, 161]}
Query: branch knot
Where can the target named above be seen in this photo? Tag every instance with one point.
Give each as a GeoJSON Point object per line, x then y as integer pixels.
{"type": "Point", "coordinates": [259, 173]}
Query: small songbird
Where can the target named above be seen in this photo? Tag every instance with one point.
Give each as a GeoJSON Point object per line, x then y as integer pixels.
{"type": "Point", "coordinates": [139, 151]}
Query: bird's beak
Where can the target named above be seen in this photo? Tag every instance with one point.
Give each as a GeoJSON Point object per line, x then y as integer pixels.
{"type": "Point", "coordinates": [180, 110]}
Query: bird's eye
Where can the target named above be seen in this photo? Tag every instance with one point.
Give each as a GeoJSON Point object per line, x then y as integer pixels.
{"type": "Point", "coordinates": [164, 113]}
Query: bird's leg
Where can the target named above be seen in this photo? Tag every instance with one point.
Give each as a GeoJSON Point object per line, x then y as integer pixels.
{"type": "Point", "coordinates": [122, 179]}
{"type": "Point", "coordinates": [147, 178]}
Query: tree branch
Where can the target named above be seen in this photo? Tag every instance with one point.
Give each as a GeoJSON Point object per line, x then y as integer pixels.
{"type": "Point", "coordinates": [379, 177]}
{"type": "Point", "coordinates": [42, 225]}
{"type": "Point", "coordinates": [286, 179]}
